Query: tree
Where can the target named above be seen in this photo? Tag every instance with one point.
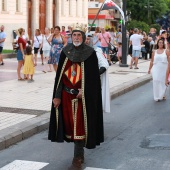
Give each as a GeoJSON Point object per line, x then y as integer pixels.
{"type": "Point", "coordinates": [146, 10]}
{"type": "Point", "coordinates": [168, 3]}
{"type": "Point", "coordinates": [138, 24]}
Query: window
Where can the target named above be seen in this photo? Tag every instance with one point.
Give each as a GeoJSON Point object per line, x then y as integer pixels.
{"type": "Point", "coordinates": [96, 5]}
{"type": "Point", "coordinates": [3, 5]}
{"type": "Point", "coordinates": [62, 8]}
{"type": "Point", "coordinates": [17, 6]}
{"type": "Point", "coordinates": [70, 8]}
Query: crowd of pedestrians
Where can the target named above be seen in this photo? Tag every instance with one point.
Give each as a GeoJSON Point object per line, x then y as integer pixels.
{"type": "Point", "coordinates": [48, 47]}
{"type": "Point", "coordinates": [157, 48]}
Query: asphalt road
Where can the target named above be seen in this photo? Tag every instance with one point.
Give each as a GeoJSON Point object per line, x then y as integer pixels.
{"type": "Point", "coordinates": [135, 118]}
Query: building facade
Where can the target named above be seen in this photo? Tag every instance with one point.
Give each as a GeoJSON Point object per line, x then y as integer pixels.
{"type": "Point", "coordinates": [33, 14]}
{"type": "Point", "coordinates": [109, 18]}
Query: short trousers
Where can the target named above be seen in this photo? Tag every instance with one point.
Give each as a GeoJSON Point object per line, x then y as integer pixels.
{"type": "Point", "coordinates": [136, 53]}
{"type": "Point", "coordinates": [46, 53]}
{"type": "Point", "coordinates": [19, 55]}
{"type": "Point", "coordinates": [1, 48]}
{"type": "Point", "coordinates": [105, 50]}
{"type": "Point", "coordinates": [36, 50]}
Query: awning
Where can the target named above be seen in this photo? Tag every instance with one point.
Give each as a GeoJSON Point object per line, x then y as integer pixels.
{"type": "Point", "coordinates": [100, 17]}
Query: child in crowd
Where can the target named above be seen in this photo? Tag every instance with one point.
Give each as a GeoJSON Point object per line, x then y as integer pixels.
{"type": "Point", "coordinates": [119, 52]}
{"type": "Point", "coordinates": [29, 66]}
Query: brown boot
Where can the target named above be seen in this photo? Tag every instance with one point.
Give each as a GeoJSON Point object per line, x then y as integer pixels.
{"type": "Point", "coordinates": [76, 164]}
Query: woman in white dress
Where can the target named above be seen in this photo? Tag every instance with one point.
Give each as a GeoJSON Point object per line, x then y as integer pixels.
{"type": "Point", "coordinates": [158, 64]}
{"type": "Point", "coordinates": [46, 46]}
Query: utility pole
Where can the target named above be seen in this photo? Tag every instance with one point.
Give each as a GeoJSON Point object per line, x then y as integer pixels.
{"type": "Point", "coordinates": [149, 10]}
{"type": "Point", "coordinates": [124, 39]}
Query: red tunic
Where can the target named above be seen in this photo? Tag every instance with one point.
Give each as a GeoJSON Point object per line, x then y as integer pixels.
{"type": "Point", "coordinates": [72, 107]}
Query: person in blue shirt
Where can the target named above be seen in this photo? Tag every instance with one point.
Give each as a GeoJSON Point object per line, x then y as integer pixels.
{"type": "Point", "coordinates": [2, 40]}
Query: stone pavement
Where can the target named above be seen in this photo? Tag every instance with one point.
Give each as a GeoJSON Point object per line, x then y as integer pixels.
{"type": "Point", "coordinates": [25, 107]}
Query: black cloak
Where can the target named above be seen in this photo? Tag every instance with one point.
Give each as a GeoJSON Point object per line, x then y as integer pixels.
{"type": "Point", "coordinates": [93, 101]}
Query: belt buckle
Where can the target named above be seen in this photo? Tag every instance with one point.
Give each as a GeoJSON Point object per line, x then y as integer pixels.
{"type": "Point", "coordinates": [71, 91]}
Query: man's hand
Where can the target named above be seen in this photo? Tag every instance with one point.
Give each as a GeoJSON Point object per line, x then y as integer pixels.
{"type": "Point", "coordinates": [56, 102]}
{"type": "Point", "coordinates": [79, 96]}
{"type": "Point", "coordinates": [149, 71]}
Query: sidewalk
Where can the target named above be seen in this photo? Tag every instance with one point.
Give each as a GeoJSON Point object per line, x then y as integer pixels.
{"type": "Point", "coordinates": [25, 107]}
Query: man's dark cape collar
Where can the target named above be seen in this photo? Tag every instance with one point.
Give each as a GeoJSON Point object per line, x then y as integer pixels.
{"type": "Point", "coordinates": [78, 54]}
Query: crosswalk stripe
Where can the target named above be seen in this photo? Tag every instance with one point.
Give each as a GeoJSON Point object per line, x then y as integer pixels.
{"type": "Point", "coordinates": [24, 165]}
{"type": "Point", "coordinates": [89, 168]}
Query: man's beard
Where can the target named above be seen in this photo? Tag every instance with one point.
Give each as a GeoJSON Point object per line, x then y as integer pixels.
{"type": "Point", "coordinates": [77, 43]}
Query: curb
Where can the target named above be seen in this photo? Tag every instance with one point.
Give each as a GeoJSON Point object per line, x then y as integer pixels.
{"type": "Point", "coordinates": [26, 129]}
{"type": "Point", "coordinates": [128, 86]}
{"type": "Point", "coordinates": [23, 130]}
{"type": "Point", "coordinates": [11, 55]}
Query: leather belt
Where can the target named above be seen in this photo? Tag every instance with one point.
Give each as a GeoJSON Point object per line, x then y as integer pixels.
{"type": "Point", "coordinates": [71, 91]}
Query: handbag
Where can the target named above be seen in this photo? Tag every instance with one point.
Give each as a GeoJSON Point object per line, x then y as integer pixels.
{"type": "Point", "coordinates": [143, 50]}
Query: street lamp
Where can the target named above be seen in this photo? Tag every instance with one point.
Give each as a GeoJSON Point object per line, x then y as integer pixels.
{"type": "Point", "coordinates": [124, 39]}
{"type": "Point", "coordinates": [149, 9]}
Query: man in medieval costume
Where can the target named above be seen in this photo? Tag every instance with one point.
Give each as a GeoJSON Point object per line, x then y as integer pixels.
{"type": "Point", "coordinates": [76, 114]}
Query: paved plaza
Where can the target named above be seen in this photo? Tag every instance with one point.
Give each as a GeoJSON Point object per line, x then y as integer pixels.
{"type": "Point", "coordinates": [23, 103]}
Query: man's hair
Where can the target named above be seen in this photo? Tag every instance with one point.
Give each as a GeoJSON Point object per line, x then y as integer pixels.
{"type": "Point", "coordinates": [63, 26]}
{"type": "Point", "coordinates": [136, 30]}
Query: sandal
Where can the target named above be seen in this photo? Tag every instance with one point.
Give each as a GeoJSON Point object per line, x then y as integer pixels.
{"type": "Point", "coordinates": [131, 67]}
{"type": "Point", "coordinates": [164, 98]}
{"type": "Point", "coordinates": [20, 79]}
{"type": "Point", "coordinates": [136, 68]}
{"type": "Point", "coordinates": [44, 71]}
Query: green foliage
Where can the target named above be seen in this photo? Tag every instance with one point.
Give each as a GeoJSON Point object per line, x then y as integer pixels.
{"type": "Point", "coordinates": [168, 3]}
{"type": "Point", "coordinates": [156, 26]}
{"type": "Point", "coordinates": [7, 51]}
{"type": "Point", "coordinates": [146, 10]}
{"type": "Point", "coordinates": [138, 24]}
